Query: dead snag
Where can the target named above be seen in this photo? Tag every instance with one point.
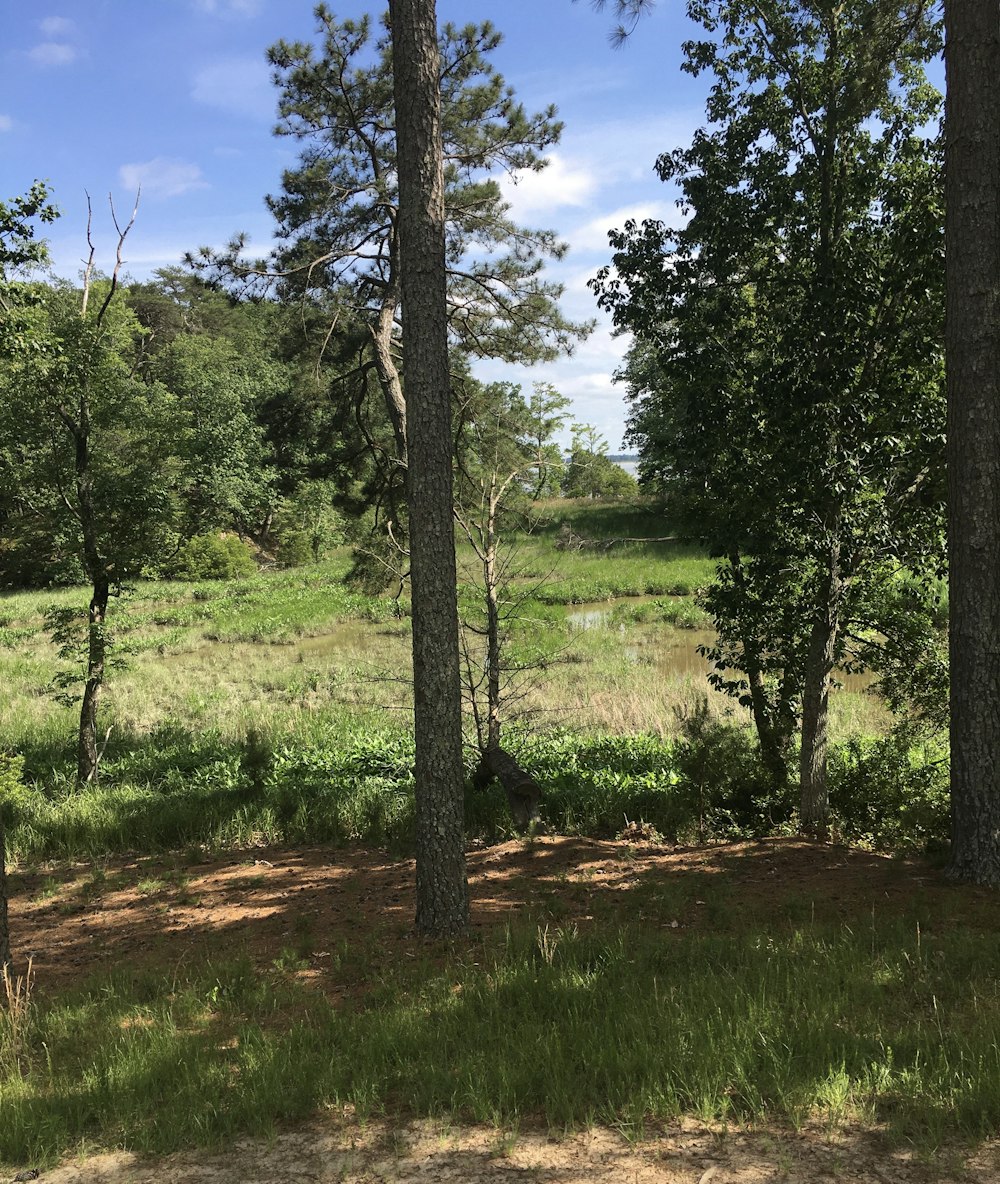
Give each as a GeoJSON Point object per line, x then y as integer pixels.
{"type": "Point", "coordinates": [522, 790]}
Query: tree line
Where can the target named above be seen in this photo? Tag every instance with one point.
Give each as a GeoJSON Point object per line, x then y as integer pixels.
{"type": "Point", "coordinates": [786, 377]}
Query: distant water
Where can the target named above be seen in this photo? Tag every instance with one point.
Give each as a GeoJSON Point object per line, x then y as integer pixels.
{"type": "Point", "coordinates": [629, 463]}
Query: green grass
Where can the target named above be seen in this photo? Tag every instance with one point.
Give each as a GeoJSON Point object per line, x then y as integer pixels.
{"type": "Point", "coordinates": [778, 1024]}
{"type": "Point", "coordinates": [179, 789]}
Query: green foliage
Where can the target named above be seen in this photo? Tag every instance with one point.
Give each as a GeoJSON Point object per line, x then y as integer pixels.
{"type": "Point", "coordinates": [787, 382]}
{"type": "Point", "coordinates": [308, 525]}
{"type": "Point", "coordinates": [20, 253]}
{"type": "Point", "coordinates": [16, 798]}
{"type": "Point", "coordinates": [891, 792]}
{"type": "Point", "coordinates": [213, 557]}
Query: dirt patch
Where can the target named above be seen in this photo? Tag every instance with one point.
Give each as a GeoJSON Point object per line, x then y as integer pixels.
{"type": "Point", "coordinates": [157, 913]}
{"type": "Point", "coordinates": [304, 906]}
{"type": "Point", "coordinates": [332, 1149]}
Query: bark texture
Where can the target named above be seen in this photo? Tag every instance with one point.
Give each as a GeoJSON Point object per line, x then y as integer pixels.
{"type": "Point", "coordinates": [972, 59]}
{"type": "Point", "coordinates": [814, 805]}
{"type": "Point", "coordinates": [442, 890]}
{"type": "Point", "coordinates": [88, 753]}
{"type": "Point", "coordinates": [5, 955]}
{"type": "Point", "coordinates": [523, 792]}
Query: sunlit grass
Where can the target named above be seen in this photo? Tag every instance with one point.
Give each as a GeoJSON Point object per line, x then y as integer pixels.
{"type": "Point", "coordinates": [782, 1022]}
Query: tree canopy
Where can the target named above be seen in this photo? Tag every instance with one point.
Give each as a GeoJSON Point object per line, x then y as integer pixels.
{"type": "Point", "coordinates": [786, 382]}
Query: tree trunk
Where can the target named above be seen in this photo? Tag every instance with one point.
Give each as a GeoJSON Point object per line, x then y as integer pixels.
{"type": "Point", "coordinates": [972, 241]}
{"type": "Point", "coordinates": [6, 961]}
{"type": "Point", "coordinates": [492, 633]}
{"type": "Point", "coordinates": [88, 753]}
{"type": "Point", "coordinates": [820, 659]}
{"type": "Point", "coordinates": [522, 790]}
{"type": "Point", "coordinates": [772, 743]}
{"type": "Point", "coordinates": [388, 375]}
{"type": "Point", "coordinates": [442, 890]}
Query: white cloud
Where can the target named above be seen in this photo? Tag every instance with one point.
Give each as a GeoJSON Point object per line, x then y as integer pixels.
{"type": "Point", "coordinates": [239, 8]}
{"type": "Point", "coordinates": [161, 177]}
{"type": "Point", "coordinates": [57, 26]}
{"type": "Point", "coordinates": [6, 123]}
{"type": "Point", "coordinates": [241, 86]}
{"type": "Point", "coordinates": [593, 235]}
{"type": "Point", "coordinates": [560, 184]}
{"type": "Point", "coordinates": [53, 53]}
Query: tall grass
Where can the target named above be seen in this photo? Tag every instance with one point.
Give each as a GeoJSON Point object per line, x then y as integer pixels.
{"type": "Point", "coordinates": [344, 783]}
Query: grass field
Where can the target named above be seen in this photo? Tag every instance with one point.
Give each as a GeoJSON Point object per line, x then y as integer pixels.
{"type": "Point", "coordinates": [275, 711]}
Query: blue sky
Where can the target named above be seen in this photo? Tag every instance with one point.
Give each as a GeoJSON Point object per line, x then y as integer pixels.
{"type": "Point", "coordinates": [102, 95]}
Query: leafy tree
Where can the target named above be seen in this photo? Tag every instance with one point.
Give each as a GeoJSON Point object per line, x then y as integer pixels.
{"type": "Point", "coordinates": [791, 365]}
{"type": "Point", "coordinates": [98, 455]}
{"type": "Point", "coordinates": [20, 251]}
{"type": "Point", "coordinates": [20, 254]}
{"type": "Point", "coordinates": [442, 889]}
{"type": "Point", "coordinates": [589, 472]}
{"type": "Point", "coordinates": [228, 482]}
{"type": "Point", "coordinates": [548, 411]}
{"type": "Point", "coordinates": [338, 215]}
{"type": "Point", "coordinates": [972, 56]}
{"type": "Point", "coordinates": [87, 452]}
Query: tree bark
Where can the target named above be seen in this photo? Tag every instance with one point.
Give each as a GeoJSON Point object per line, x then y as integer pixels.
{"type": "Point", "coordinates": [88, 753]}
{"type": "Point", "coordinates": [442, 890]}
{"type": "Point", "coordinates": [773, 743]}
{"type": "Point", "coordinates": [385, 368]}
{"type": "Point", "coordinates": [814, 791]}
{"type": "Point", "coordinates": [972, 241]}
{"type": "Point", "coordinates": [6, 961]}
{"type": "Point", "coordinates": [522, 790]}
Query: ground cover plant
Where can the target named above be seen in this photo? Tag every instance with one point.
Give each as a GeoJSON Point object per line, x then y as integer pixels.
{"type": "Point", "coordinates": [256, 713]}
{"type": "Point", "coordinates": [781, 983]}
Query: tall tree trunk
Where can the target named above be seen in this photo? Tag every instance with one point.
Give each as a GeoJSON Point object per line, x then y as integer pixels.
{"type": "Point", "coordinates": [490, 580]}
{"type": "Point", "coordinates": [6, 961]}
{"type": "Point", "coordinates": [972, 240]}
{"type": "Point", "coordinates": [442, 890]}
{"type": "Point", "coordinates": [820, 659]}
{"type": "Point", "coordinates": [88, 752]}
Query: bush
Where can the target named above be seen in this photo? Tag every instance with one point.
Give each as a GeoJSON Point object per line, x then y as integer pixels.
{"type": "Point", "coordinates": [891, 793]}
{"type": "Point", "coordinates": [214, 557]}
{"type": "Point", "coordinates": [294, 549]}
{"type": "Point", "coordinates": [15, 796]}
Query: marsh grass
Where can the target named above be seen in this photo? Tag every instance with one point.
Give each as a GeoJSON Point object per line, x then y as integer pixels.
{"type": "Point", "coordinates": [780, 1023]}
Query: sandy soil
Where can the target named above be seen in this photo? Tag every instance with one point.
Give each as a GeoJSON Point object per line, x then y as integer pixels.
{"type": "Point", "coordinates": [333, 1149]}
{"type": "Point", "coordinates": [159, 913]}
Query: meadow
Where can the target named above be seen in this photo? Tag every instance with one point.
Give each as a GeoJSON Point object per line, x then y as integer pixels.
{"type": "Point", "coordinates": [263, 724]}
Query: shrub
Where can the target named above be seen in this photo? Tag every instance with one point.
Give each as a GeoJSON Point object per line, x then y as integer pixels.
{"type": "Point", "coordinates": [214, 557]}
{"type": "Point", "coordinates": [294, 549]}
{"type": "Point", "coordinates": [891, 793]}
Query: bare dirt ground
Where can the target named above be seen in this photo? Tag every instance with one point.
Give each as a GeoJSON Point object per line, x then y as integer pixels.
{"type": "Point", "coordinates": [332, 1150]}
{"type": "Point", "coordinates": [160, 913]}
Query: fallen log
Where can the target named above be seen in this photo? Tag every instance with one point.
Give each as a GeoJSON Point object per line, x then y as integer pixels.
{"type": "Point", "coordinates": [522, 790]}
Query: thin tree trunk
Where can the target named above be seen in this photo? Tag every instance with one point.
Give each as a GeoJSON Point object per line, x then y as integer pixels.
{"type": "Point", "coordinates": [972, 240]}
{"type": "Point", "coordinates": [492, 632]}
{"type": "Point", "coordinates": [820, 660]}
{"type": "Point", "coordinates": [442, 890]}
{"type": "Point", "coordinates": [88, 754]}
{"type": "Point", "coordinates": [6, 961]}
{"type": "Point", "coordinates": [388, 375]}
{"type": "Point", "coordinates": [772, 743]}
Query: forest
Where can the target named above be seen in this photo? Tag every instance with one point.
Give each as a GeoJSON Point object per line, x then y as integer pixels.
{"type": "Point", "coordinates": [375, 746]}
